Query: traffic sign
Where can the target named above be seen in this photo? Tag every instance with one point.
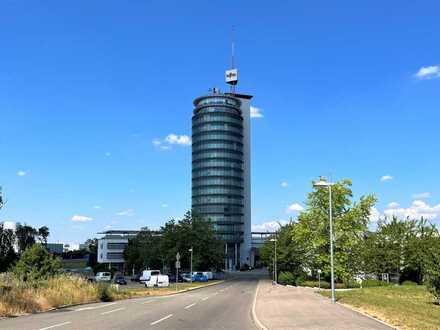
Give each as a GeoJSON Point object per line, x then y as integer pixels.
{"type": "Point", "coordinates": [177, 264]}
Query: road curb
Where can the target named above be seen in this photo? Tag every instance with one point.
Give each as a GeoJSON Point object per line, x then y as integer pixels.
{"type": "Point", "coordinates": [255, 319]}
{"type": "Point", "coordinates": [187, 290]}
{"type": "Point", "coordinates": [367, 315]}
{"type": "Point", "coordinates": [362, 313]}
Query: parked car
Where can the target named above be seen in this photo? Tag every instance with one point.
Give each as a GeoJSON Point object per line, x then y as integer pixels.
{"type": "Point", "coordinates": [146, 274]}
{"type": "Point", "coordinates": [159, 281]}
{"type": "Point", "coordinates": [136, 277]}
{"type": "Point", "coordinates": [186, 277]}
{"type": "Point", "coordinates": [172, 278]}
{"type": "Point", "coordinates": [199, 277]}
{"type": "Point", "coordinates": [120, 279]}
{"type": "Point", "coordinates": [103, 277]}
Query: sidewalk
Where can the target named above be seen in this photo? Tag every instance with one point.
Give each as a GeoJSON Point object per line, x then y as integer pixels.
{"type": "Point", "coordinates": [279, 307]}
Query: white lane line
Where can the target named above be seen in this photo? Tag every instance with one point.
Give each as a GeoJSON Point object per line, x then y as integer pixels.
{"type": "Point", "coordinates": [162, 319]}
{"type": "Point", "coordinates": [93, 307]}
{"type": "Point", "coordinates": [113, 310]}
{"type": "Point", "coordinates": [56, 325]}
{"type": "Point", "coordinates": [206, 298]}
{"type": "Point", "coordinates": [189, 306]}
{"type": "Point", "coordinates": [254, 314]}
{"type": "Point", "coordinates": [147, 302]}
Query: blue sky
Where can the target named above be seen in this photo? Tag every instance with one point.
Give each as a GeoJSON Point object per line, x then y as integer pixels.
{"type": "Point", "coordinates": [350, 89]}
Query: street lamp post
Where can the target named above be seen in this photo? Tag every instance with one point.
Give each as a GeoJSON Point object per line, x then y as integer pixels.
{"type": "Point", "coordinates": [275, 260]}
{"type": "Point", "coordinates": [322, 183]}
{"type": "Point", "coordinates": [191, 267]}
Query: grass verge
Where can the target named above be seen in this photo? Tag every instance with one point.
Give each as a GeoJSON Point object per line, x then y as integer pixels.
{"type": "Point", "coordinates": [19, 298]}
{"type": "Point", "coordinates": [406, 307]}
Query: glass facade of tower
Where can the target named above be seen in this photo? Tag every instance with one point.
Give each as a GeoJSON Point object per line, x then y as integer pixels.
{"type": "Point", "coordinates": [217, 164]}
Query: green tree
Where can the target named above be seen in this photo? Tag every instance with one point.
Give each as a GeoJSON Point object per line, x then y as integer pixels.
{"type": "Point", "coordinates": [196, 232]}
{"type": "Point", "coordinates": [291, 256]}
{"type": "Point", "coordinates": [143, 251]}
{"type": "Point", "coordinates": [7, 252]}
{"type": "Point", "coordinates": [43, 234]}
{"type": "Point", "coordinates": [37, 264]}
{"type": "Point", "coordinates": [350, 225]}
{"type": "Point", "coordinates": [25, 236]}
{"type": "Point", "coordinates": [153, 250]}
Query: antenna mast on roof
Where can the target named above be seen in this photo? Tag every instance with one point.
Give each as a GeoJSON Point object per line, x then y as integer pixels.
{"type": "Point", "coordinates": [231, 76]}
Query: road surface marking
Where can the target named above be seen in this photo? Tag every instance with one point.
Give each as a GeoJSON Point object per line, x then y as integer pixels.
{"type": "Point", "coordinates": [147, 302]}
{"type": "Point", "coordinates": [162, 319]}
{"type": "Point", "coordinates": [206, 298]}
{"type": "Point", "coordinates": [189, 306]}
{"type": "Point", "coordinates": [94, 307]}
{"type": "Point", "coordinates": [254, 314]}
{"type": "Point", "coordinates": [56, 325]}
{"type": "Point", "coordinates": [113, 310]}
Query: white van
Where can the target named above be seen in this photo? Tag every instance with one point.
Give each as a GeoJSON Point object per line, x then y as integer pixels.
{"type": "Point", "coordinates": [146, 275]}
{"type": "Point", "coordinates": [209, 275]}
{"type": "Point", "coordinates": [103, 277]}
{"type": "Point", "coordinates": [160, 281]}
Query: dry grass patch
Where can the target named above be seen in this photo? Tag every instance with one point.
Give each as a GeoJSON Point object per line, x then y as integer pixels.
{"type": "Point", "coordinates": [18, 298]}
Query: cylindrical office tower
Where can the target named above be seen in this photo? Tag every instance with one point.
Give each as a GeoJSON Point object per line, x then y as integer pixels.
{"type": "Point", "coordinates": [217, 168]}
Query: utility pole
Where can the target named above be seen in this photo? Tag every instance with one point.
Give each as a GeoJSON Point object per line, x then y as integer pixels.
{"type": "Point", "coordinates": [191, 267]}
{"type": "Point", "coordinates": [177, 268]}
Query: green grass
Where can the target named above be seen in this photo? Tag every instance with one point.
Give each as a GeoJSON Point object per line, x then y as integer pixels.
{"type": "Point", "coordinates": [406, 307]}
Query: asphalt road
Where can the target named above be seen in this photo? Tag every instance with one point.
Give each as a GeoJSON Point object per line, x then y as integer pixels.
{"type": "Point", "coordinates": [224, 306]}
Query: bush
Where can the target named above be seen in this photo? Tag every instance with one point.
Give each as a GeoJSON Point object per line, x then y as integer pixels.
{"type": "Point", "coordinates": [286, 278]}
{"type": "Point", "coordinates": [104, 292]}
{"type": "Point", "coordinates": [372, 283]}
{"type": "Point", "coordinates": [409, 283]}
{"type": "Point", "coordinates": [36, 264]}
{"type": "Point", "coordinates": [434, 287]}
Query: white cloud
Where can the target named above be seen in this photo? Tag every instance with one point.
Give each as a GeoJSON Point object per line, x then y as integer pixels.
{"type": "Point", "coordinates": [386, 178]}
{"type": "Point", "coordinates": [183, 140]}
{"type": "Point", "coordinates": [295, 207]}
{"type": "Point", "coordinates": [393, 205]}
{"type": "Point", "coordinates": [22, 173]}
{"type": "Point", "coordinates": [108, 154]}
{"type": "Point", "coordinates": [284, 184]}
{"type": "Point", "coordinates": [126, 213]}
{"type": "Point", "coordinates": [97, 207]}
{"type": "Point", "coordinates": [422, 195]}
{"type": "Point", "coordinates": [164, 205]}
{"type": "Point", "coordinates": [416, 210]}
{"type": "Point", "coordinates": [172, 139]}
{"type": "Point", "coordinates": [256, 112]}
{"type": "Point", "coordinates": [428, 72]}
{"type": "Point", "coordinates": [108, 227]}
{"type": "Point", "coordinates": [270, 226]}
{"type": "Point", "coordinates": [374, 214]}
{"type": "Point", "coordinates": [81, 218]}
